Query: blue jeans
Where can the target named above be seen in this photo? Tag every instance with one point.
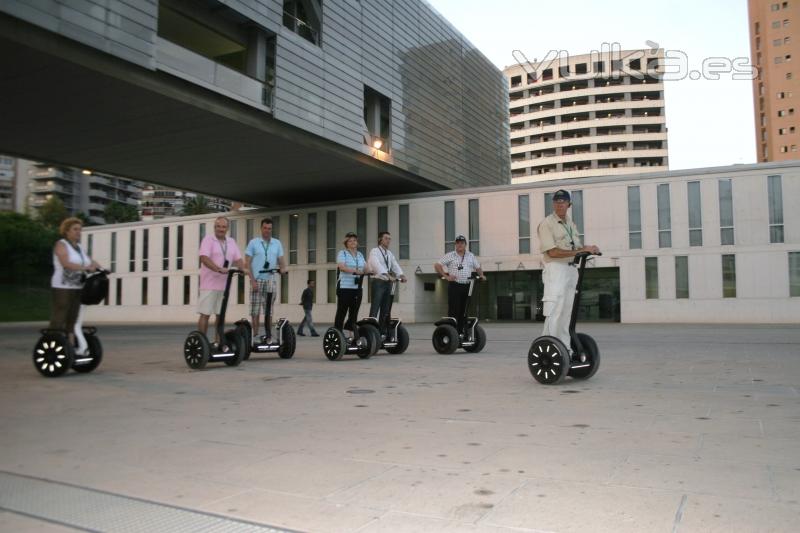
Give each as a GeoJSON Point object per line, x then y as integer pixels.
{"type": "Point", "coordinates": [307, 321]}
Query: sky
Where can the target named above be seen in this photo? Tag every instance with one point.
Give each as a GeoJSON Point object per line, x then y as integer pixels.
{"type": "Point", "coordinates": [710, 122]}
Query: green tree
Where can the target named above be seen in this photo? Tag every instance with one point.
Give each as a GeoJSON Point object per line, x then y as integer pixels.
{"type": "Point", "coordinates": [197, 205]}
{"type": "Point", "coordinates": [117, 212]}
{"type": "Point", "coordinates": [53, 212]}
{"type": "Point", "coordinates": [26, 249]}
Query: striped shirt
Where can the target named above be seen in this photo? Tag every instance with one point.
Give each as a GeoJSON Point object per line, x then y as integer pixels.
{"type": "Point", "coordinates": [451, 261]}
{"type": "Point", "coordinates": [348, 280]}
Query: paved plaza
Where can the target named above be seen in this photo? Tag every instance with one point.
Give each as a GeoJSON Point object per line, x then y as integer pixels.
{"type": "Point", "coordinates": [684, 428]}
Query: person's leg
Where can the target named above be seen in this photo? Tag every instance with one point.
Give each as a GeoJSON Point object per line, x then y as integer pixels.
{"type": "Point", "coordinates": [310, 322]}
{"type": "Point", "coordinates": [352, 312]}
{"type": "Point", "coordinates": [268, 301]}
{"type": "Point", "coordinates": [461, 299]}
{"type": "Point", "coordinates": [452, 299]}
{"type": "Point", "coordinates": [385, 301]}
{"type": "Point", "coordinates": [341, 309]}
{"type": "Point", "coordinates": [202, 324]}
{"type": "Point", "coordinates": [375, 306]}
{"type": "Point", "coordinates": [256, 301]}
{"type": "Point", "coordinates": [557, 300]}
{"type": "Point", "coordinates": [59, 307]}
{"type": "Point", "coordinates": [568, 297]}
{"type": "Point", "coordinates": [303, 323]}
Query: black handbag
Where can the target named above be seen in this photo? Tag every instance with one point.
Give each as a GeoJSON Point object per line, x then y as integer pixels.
{"type": "Point", "coordinates": [95, 289]}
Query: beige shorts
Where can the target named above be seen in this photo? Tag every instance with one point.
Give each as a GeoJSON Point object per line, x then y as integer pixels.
{"type": "Point", "coordinates": [209, 302]}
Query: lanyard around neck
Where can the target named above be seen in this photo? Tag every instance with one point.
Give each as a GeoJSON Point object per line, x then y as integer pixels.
{"type": "Point", "coordinates": [224, 248]}
{"type": "Point", "coordinates": [385, 256]}
{"type": "Point", "coordinates": [266, 248]}
{"type": "Point", "coordinates": [568, 229]}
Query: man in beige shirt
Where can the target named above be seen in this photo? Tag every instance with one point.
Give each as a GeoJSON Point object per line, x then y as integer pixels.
{"type": "Point", "coordinates": [559, 242]}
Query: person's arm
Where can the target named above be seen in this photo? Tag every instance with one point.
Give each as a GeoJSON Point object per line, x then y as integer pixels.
{"type": "Point", "coordinates": [558, 253]}
{"type": "Point", "coordinates": [63, 257]}
{"type": "Point", "coordinates": [366, 269]}
{"type": "Point", "coordinates": [478, 268]}
{"type": "Point", "coordinates": [342, 264]}
{"type": "Point", "coordinates": [248, 260]}
{"type": "Point", "coordinates": [441, 270]}
{"type": "Point", "coordinates": [211, 265]}
{"type": "Point", "coordinates": [397, 270]}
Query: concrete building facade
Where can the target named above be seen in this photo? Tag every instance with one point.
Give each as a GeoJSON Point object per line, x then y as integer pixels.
{"type": "Point", "coordinates": [775, 49]}
{"type": "Point", "coordinates": [704, 245]}
{"type": "Point", "coordinates": [587, 115]}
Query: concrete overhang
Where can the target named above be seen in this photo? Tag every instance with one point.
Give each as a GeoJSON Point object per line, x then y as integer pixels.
{"type": "Point", "coordinates": [65, 103]}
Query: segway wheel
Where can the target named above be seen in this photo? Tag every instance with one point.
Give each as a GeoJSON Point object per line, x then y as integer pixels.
{"type": "Point", "coordinates": [480, 340]}
{"type": "Point", "coordinates": [53, 355]}
{"type": "Point", "coordinates": [445, 339]}
{"type": "Point", "coordinates": [196, 350]}
{"type": "Point", "coordinates": [286, 351]}
{"type": "Point", "coordinates": [586, 363]}
{"type": "Point", "coordinates": [402, 341]}
{"type": "Point", "coordinates": [245, 330]}
{"type": "Point", "coordinates": [94, 354]}
{"type": "Point", "coordinates": [235, 342]}
{"type": "Point", "coordinates": [548, 360]}
{"type": "Point", "coordinates": [372, 339]}
{"type": "Point", "coordinates": [333, 344]}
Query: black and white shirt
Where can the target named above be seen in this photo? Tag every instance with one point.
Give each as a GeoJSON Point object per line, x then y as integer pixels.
{"type": "Point", "coordinates": [468, 263]}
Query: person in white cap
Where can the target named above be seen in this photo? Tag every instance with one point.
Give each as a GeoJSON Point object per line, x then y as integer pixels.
{"type": "Point", "coordinates": [559, 243]}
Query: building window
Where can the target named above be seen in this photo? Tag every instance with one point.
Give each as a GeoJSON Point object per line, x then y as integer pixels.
{"type": "Point", "coordinates": [293, 239]}
{"type": "Point", "coordinates": [284, 288]}
{"type": "Point", "coordinates": [332, 286]}
{"type": "Point", "coordinates": [201, 233]}
{"type": "Point", "coordinates": [726, 211]}
{"type": "Point", "coordinates": [113, 263]}
{"type": "Point", "coordinates": [304, 17]}
{"type": "Point", "coordinates": [330, 231]}
{"type": "Point", "coordinates": [651, 277]}
{"type": "Point", "coordinates": [144, 291]}
{"type": "Point", "coordinates": [377, 118]}
{"type": "Point", "coordinates": [577, 211]}
{"type": "Point", "coordinates": [165, 290]}
{"type": "Point", "coordinates": [449, 226]}
{"type": "Point", "coordinates": [775, 194]}
{"type": "Point", "coordinates": [405, 234]}
{"type": "Point", "coordinates": [524, 223]}
{"type": "Point", "coordinates": [664, 219]}
{"type": "Point", "coordinates": [361, 230]}
{"type": "Point", "coordinates": [165, 249]}
{"type": "Point", "coordinates": [90, 245]}
{"type": "Point", "coordinates": [145, 250]}
{"type": "Point", "coordinates": [695, 214]}
{"type": "Point", "coordinates": [179, 249]}
{"type": "Point", "coordinates": [119, 291]}
{"type": "Point", "coordinates": [276, 227]}
{"type": "Point", "coordinates": [312, 238]}
{"type": "Point", "coordinates": [312, 276]}
{"type": "Point", "coordinates": [634, 218]}
{"type": "Point", "coordinates": [383, 218]}
{"type": "Point", "coordinates": [794, 273]}
{"type": "Point", "coordinates": [240, 290]}
{"type": "Point", "coordinates": [548, 204]}
{"type": "Point", "coordinates": [187, 290]}
{"type": "Point", "coordinates": [474, 227]}
{"type": "Point", "coordinates": [249, 229]}
{"type": "Point", "coordinates": [729, 276]}
{"type": "Point", "coordinates": [681, 276]}
{"type": "Point", "coordinates": [132, 254]}
{"type": "Point", "coordinates": [233, 229]}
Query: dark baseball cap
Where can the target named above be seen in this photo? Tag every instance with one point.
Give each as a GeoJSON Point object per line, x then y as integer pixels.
{"type": "Point", "coordinates": [461, 238]}
{"type": "Point", "coordinates": [561, 194]}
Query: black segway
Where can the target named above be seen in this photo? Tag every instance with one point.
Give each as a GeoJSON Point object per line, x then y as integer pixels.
{"type": "Point", "coordinates": [396, 339]}
{"type": "Point", "coordinates": [54, 355]}
{"type": "Point", "coordinates": [447, 338]}
{"type": "Point", "coordinates": [364, 343]}
{"type": "Point", "coordinates": [198, 351]}
{"type": "Point", "coordinates": [549, 360]}
{"type": "Point", "coordinates": [286, 339]}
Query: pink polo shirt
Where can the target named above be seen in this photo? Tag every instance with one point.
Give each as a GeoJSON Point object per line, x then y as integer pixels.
{"type": "Point", "coordinates": [213, 249]}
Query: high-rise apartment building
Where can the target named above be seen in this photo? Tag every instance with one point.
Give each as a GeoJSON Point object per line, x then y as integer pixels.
{"type": "Point", "coordinates": [159, 202]}
{"type": "Point", "coordinates": [587, 115]}
{"type": "Point", "coordinates": [775, 51]}
{"type": "Point", "coordinates": [8, 171]}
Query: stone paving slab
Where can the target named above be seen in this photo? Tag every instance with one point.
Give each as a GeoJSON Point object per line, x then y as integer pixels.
{"type": "Point", "coordinates": [684, 428]}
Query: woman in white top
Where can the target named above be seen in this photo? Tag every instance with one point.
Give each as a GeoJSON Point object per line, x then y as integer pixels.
{"type": "Point", "coordinates": [70, 263]}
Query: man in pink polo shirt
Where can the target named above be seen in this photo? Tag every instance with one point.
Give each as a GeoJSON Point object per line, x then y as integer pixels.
{"type": "Point", "coordinates": [218, 253]}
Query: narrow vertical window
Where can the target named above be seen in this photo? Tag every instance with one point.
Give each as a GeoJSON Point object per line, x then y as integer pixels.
{"type": "Point", "coordinates": [249, 229]}
{"type": "Point", "coordinates": [664, 218]}
{"type": "Point", "coordinates": [330, 231]}
{"type": "Point", "coordinates": [90, 245]}
{"type": "Point", "coordinates": [449, 226]}
{"type": "Point", "coordinates": [240, 290]}
{"type": "Point", "coordinates": [232, 230]}
{"type": "Point", "coordinates": [145, 250]}
{"type": "Point", "coordinates": [524, 223]}
{"type": "Point", "coordinates": [119, 291]}
{"type": "Point", "coordinates": [548, 204]}
{"type": "Point", "coordinates": [634, 218]}
{"type": "Point", "coordinates": [383, 218]}
{"type": "Point", "coordinates": [179, 249]}
{"type": "Point", "coordinates": [577, 211]}
{"type": "Point", "coordinates": [794, 273]}
{"type": "Point", "coordinates": [651, 277]}
{"type": "Point", "coordinates": [284, 288]}
{"type": "Point", "coordinates": [132, 253]}
{"type": "Point", "coordinates": [293, 239]}
{"type": "Point", "coordinates": [165, 290]}
{"type": "Point", "coordinates": [775, 194]}
{"type": "Point", "coordinates": [361, 230]}
{"type": "Point", "coordinates": [113, 262]}
{"type": "Point", "coordinates": [312, 238]}
{"type": "Point", "coordinates": [331, 286]}
{"type": "Point", "coordinates": [729, 276]}
{"type": "Point", "coordinates": [695, 214]}
{"type": "Point", "coordinates": [681, 276]}
{"type": "Point", "coordinates": [201, 233]}
{"type": "Point", "coordinates": [276, 227]}
{"type": "Point", "coordinates": [405, 234]}
{"type": "Point", "coordinates": [144, 291]}
{"type": "Point", "coordinates": [165, 250]}
{"type": "Point", "coordinates": [187, 290]}
{"type": "Point", "coordinates": [726, 211]}
{"type": "Point", "coordinates": [474, 227]}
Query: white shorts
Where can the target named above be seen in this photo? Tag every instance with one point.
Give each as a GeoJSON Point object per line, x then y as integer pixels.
{"type": "Point", "coordinates": [209, 302]}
